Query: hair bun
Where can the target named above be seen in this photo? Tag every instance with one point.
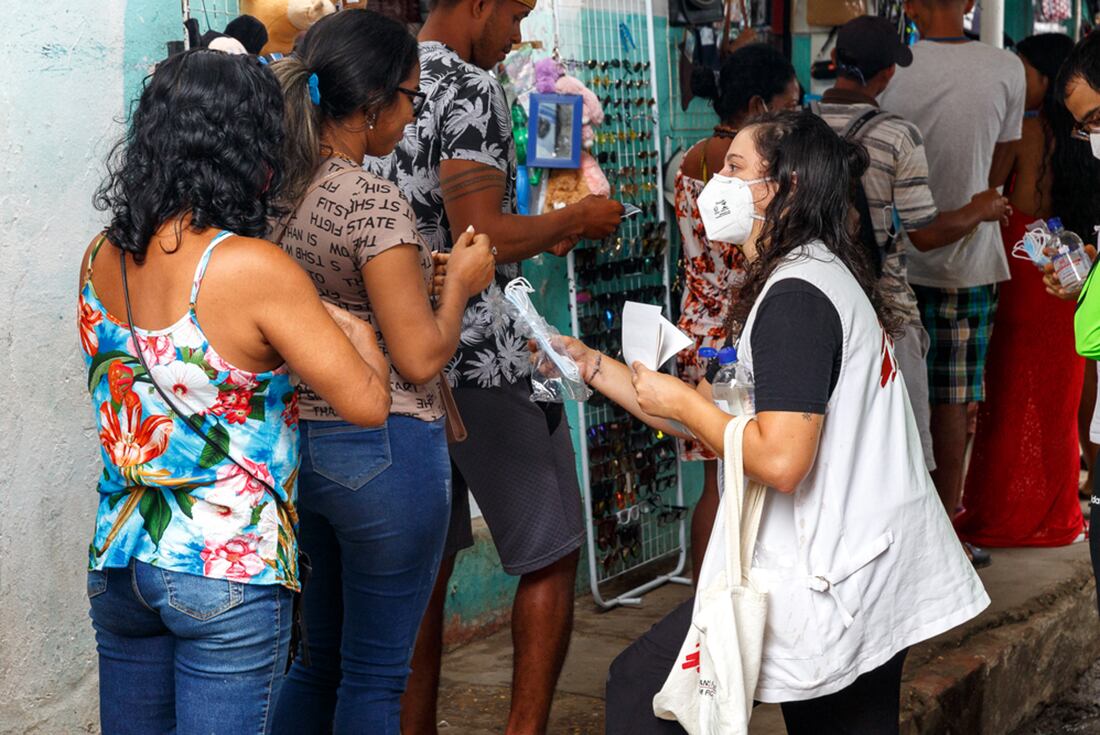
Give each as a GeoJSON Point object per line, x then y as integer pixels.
{"type": "Point", "coordinates": [704, 82]}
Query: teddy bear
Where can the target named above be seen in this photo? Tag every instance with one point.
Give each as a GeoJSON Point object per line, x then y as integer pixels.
{"type": "Point", "coordinates": [285, 19]}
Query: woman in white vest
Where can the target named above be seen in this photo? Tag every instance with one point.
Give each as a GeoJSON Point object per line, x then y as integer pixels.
{"type": "Point", "coordinates": [855, 551]}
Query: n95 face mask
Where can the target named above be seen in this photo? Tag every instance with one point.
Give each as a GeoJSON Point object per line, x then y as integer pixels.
{"type": "Point", "coordinates": [727, 209]}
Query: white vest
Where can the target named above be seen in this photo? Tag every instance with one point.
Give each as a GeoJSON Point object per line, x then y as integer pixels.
{"type": "Point", "coordinates": [860, 561]}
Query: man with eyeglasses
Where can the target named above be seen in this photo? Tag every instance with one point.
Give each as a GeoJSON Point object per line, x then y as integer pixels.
{"type": "Point", "coordinates": [1078, 88]}
{"type": "Point", "coordinates": [967, 99]}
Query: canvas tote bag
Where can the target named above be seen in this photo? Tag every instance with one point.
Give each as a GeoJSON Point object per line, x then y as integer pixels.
{"type": "Point", "coordinates": [710, 688]}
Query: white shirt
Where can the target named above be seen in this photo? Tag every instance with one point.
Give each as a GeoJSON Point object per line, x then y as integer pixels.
{"type": "Point", "coordinates": [965, 98]}
{"type": "Point", "coordinates": [860, 561]}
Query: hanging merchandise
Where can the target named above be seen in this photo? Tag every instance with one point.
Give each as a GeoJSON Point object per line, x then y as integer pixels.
{"type": "Point", "coordinates": [635, 516]}
{"type": "Point", "coordinates": [285, 19]}
{"type": "Point", "coordinates": [695, 12]}
{"type": "Point", "coordinates": [1054, 11]}
{"type": "Point", "coordinates": [833, 12]}
{"type": "Point", "coordinates": [698, 50]}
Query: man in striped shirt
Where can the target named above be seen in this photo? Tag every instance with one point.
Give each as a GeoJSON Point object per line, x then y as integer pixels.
{"type": "Point", "coordinates": [903, 212]}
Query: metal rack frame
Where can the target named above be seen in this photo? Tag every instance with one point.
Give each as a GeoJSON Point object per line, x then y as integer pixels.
{"type": "Point", "coordinates": [598, 41]}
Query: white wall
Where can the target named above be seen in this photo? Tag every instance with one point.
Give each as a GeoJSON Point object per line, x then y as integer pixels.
{"type": "Point", "coordinates": [61, 85]}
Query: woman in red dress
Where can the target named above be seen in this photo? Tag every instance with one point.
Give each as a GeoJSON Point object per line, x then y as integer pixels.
{"type": "Point", "coordinates": [1021, 486]}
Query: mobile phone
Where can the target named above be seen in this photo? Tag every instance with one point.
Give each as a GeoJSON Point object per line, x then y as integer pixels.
{"type": "Point", "coordinates": [629, 210]}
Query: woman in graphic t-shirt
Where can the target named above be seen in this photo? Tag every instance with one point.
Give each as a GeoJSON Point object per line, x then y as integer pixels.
{"type": "Point", "coordinates": [374, 503]}
{"type": "Point", "coordinates": [857, 557]}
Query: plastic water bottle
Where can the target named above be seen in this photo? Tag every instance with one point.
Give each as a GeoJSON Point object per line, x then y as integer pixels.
{"type": "Point", "coordinates": [1071, 262]}
{"type": "Point", "coordinates": [728, 394]}
{"type": "Point", "coordinates": [1065, 237]}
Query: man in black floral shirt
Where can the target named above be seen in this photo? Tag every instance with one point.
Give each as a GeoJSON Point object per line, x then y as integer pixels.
{"type": "Point", "coordinates": [457, 167]}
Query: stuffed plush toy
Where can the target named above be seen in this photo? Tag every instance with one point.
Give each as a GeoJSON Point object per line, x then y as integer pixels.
{"type": "Point", "coordinates": [592, 114]}
{"type": "Point", "coordinates": [569, 185]}
{"type": "Point", "coordinates": [547, 73]}
{"type": "Point", "coordinates": [285, 19]}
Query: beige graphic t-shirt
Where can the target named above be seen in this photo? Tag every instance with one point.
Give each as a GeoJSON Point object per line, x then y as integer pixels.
{"type": "Point", "coordinates": [347, 217]}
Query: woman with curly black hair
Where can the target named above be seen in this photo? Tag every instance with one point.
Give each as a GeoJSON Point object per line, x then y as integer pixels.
{"type": "Point", "coordinates": [190, 326]}
{"type": "Point", "coordinates": [1015, 497]}
{"type": "Point", "coordinates": [857, 557]}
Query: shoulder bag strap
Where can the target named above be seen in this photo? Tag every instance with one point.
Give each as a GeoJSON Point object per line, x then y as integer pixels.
{"type": "Point", "coordinates": [743, 505]}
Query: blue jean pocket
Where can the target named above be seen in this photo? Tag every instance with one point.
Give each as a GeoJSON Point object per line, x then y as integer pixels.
{"type": "Point", "coordinates": [97, 582]}
{"type": "Point", "coordinates": [351, 456]}
{"type": "Point", "coordinates": [201, 598]}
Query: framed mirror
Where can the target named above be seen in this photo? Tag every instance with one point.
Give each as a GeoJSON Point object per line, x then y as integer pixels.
{"type": "Point", "coordinates": [554, 131]}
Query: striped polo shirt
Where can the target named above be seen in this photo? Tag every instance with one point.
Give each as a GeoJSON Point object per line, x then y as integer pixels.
{"type": "Point", "coordinates": [896, 183]}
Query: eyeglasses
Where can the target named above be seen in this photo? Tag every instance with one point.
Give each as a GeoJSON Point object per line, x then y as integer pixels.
{"type": "Point", "coordinates": [416, 97]}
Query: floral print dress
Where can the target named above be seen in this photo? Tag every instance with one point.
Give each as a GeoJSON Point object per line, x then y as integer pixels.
{"type": "Point", "coordinates": [712, 274]}
{"type": "Point", "coordinates": [167, 497]}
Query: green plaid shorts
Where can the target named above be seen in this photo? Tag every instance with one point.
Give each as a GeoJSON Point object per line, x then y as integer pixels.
{"type": "Point", "coordinates": [959, 323]}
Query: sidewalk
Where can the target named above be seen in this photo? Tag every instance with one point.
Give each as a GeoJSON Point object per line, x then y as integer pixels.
{"type": "Point", "coordinates": [983, 678]}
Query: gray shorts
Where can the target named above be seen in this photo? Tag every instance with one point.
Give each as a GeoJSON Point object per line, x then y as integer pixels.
{"type": "Point", "coordinates": [911, 351]}
{"type": "Point", "coordinates": [518, 462]}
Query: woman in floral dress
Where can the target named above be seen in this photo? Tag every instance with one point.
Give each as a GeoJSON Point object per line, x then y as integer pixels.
{"type": "Point", "coordinates": [194, 561]}
{"type": "Point", "coordinates": [754, 79]}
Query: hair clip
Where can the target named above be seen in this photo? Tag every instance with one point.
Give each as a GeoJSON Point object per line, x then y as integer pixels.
{"type": "Point", "coordinates": [314, 85]}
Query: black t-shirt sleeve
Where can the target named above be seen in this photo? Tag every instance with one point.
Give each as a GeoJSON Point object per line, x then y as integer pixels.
{"type": "Point", "coordinates": [797, 349]}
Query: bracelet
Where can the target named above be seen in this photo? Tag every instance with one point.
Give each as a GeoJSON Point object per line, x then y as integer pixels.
{"type": "Point", "coordinates": [599, 363]}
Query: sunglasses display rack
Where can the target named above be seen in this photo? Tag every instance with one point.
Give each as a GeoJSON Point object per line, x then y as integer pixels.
{"type": "Point", "coordinates": [634, 511]}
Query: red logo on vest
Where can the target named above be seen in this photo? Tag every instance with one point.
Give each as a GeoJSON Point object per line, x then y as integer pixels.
{"type": "Point", "coordinates": [889, 364]}
{"type": "Point", "coordinates": [691, 661]}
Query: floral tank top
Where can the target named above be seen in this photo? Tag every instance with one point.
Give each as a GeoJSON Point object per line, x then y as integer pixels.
{"type": "Point", "coordinates": [166, 496]}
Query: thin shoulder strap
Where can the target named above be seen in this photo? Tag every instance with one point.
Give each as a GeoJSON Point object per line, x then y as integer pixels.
{"type": "Point", "coordinates": [91, 257]}
{"type": "Point", "coordinates": [200, 269]}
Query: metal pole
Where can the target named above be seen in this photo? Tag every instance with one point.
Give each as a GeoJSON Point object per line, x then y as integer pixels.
{"type": "Point", "coordinates": [185, 6]}
{"type": "Point", "coordinates": [993, 22]}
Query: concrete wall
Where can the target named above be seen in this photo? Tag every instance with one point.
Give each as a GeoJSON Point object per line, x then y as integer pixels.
{"type": "Point", "coordinates": [66, 68]}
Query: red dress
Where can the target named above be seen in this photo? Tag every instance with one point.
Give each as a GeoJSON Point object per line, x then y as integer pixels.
{"type": "Point", "coordinates": [1021, 488]}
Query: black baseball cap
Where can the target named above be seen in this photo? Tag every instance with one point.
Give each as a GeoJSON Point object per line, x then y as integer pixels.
{"type": "Point", "coordinates": [869, 44]}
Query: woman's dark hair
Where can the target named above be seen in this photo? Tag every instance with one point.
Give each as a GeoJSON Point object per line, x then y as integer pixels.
{"type": "Point", "coordinates": [360, 58]}
{"type": "Point", "coordinates": [1069, 159]}
{"type": "Point", "coordinates": [1083, 63]}
{"type": "Point", "coordinates": [811, 167]}
{"type": "Point", "coordinates": [755, 70]}
{"type": "Point", "coordinates": [206, 140]}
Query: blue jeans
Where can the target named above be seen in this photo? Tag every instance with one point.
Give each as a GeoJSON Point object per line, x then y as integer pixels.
{"type": "Point", "coordinates": [184, 654]}
{"type": "Point", "coordinates": [374, 506]}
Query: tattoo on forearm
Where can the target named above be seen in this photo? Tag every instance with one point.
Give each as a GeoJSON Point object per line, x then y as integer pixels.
{"type": "Point", "coordinates": [807, 417]}
{"type": "Point", "coordinates": [471, 182]}
{"type": "Point", "coordinates": [450, 185]}
{"type": "Point", "coordinates": [449, 197]}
